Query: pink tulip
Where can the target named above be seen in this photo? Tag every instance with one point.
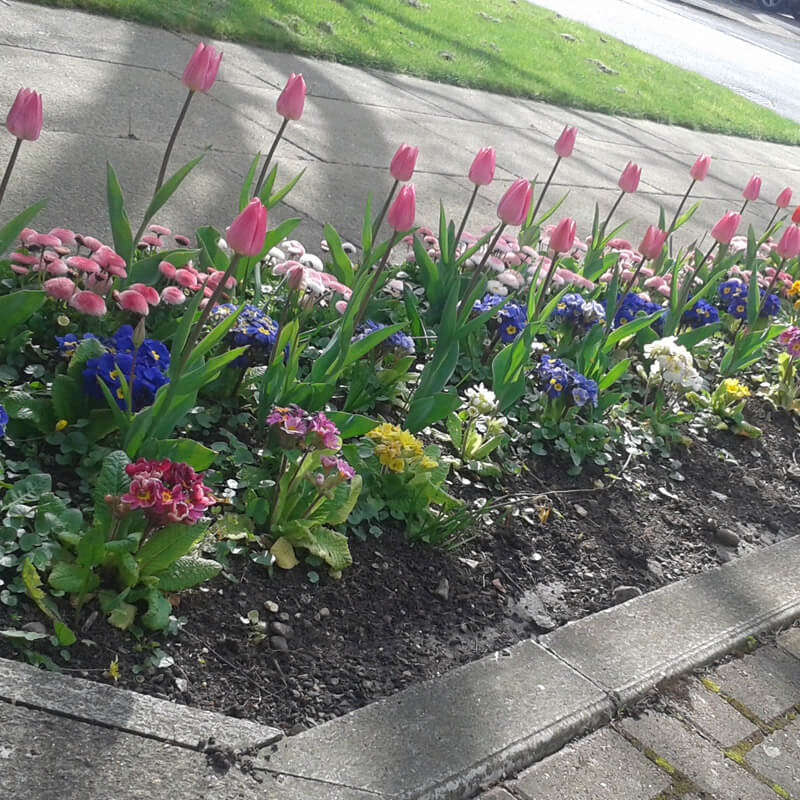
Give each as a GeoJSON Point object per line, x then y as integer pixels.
{"type": "Point", "coordinates": [515, 203]}
{"type": "Point", "coordinates": [172, 296]}
{"type": "Point", "coordinates": [789, 245]}
{"type": "Point", "coordinates": [784, 198]}
{"type": "Point", "coordinates": [60, 288]}
{"type": "Point", "coordinates": [201, 71]}
{"type": "Point", "coordinates": [700, 167]}
{"type": "Point", "coordinates": [566, 142]}
{"type": "Point", "coordinates": [247, 231]}
{"type": "Point", "coordinates": [403, 210]}
{"type": "Point", "coordinates": [88, 303]}
{"type": "Point", "coordinates": [563, 236]}
{"type": "Point", "coordinates": [753, 188]}
{"type": "Point", "coordinates": [629, 179]}
{"type": "Point", "coordinates": [481, 173]}
{"type": "Point", "coordinates": [131, 300]}
{"type": "Point", "coordinates": [25, 117]}
{"type": "Point", "coordinates": [403, 162]}
{"type": "Point", "coordinates": [653, 242]}
{"type": "Point", "coordinates": [726, 227]}
{"type": "Point", "coordinates": [292, 98]}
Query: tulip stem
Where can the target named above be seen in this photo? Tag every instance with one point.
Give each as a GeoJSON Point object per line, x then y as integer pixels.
{"type": "Point", "coordinates": [680, 207]}
{"type": "Point", "coordinates": [617, 306]}
{"type": "Point", "coordinates": [464, 218]}
{"type": "Point", "coordinates": [263, 176]}
{"type": "Point", "coordinates": [9, 168]}
{"type": "Point", "coordinates": [171, 142]}
{"type": "Point", "coordinates": [377, 224]}
{"type": "Point", "coordinates": [771, 286]}
{"type": "Point", "coordinates": [545, 285]}
{"type": "Point", "coordinates": [546, 187]}
{"type": "Point", "coordinates": [480, 269]}
{"type": "Point", "coordinates": [774, 216]}
{"type": "Point", "coordinates": [744, 206]}
{"type": "Point", "coordinates": [610, 214]}
{"type": "Point", "coordinates": [395, 238]}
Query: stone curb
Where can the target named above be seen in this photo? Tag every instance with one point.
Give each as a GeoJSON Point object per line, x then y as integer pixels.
{"type": "Point", "coordinates": [130, 712]}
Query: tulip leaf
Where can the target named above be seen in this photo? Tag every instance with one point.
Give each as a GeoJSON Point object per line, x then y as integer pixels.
{"type": "Point", "coordinates": [11, 230]}
{"type": "Point", "coordinates": [168, 189]}
{"type": "Point", "coordinates": [244, 194]}
{"type": "Point", "coordinates": [120, 224]}
{"type": "Point", "coordinates": [17, 307]}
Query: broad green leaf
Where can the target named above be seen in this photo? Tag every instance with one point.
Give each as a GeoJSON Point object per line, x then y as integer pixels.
{"type": "Point", "coordinates": [64, 634]}
{"type": "Point", "coordinates": [28, 490]}
{"type": "Point", "coordinates": [284, 553]}
{"type": "Point", "coordinates": [91, 547]}
{"type": "Point", "coordinates": [340, 514]}
{"type": "Point", "coordinates": [322, 542]}
{"type": "Point", "coordinates": [72, 578]}
{"type": "Point", "coordinates": [17, 307]}
{"type": "Point", "coordinates": [351, 425]}
{"type": "Point", "coordinates": [196, 455]}
{"type": "Point", "coordinates": [166, 546]}
{"type": "Point", "coordinates": [10, 232]}
{"type": "Point", "coordinates": [427, 410]}
{"type": "Point", "coordinates": [69, 400]}
{"type": "Point", "coordinates": [122, 616]}
{"type": "Point", "coordinates": [112, 480]}
{"type": "Point", "coordinates": [187, 572]}
{"type": "Point", "coordinates": [156, 617]}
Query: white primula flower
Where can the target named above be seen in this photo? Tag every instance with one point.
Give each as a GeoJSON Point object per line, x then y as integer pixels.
{"type": "Point", "coordinates": [496, 425]}
{"type": "Point", "coordinates": [481, 400]}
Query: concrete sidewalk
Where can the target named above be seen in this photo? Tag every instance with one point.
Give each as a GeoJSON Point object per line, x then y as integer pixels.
{"type": "Point", "coordinates": [112, 92]}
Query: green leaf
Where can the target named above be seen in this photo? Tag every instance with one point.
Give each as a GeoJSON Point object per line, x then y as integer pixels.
{"type": "Point", "coordinates": [351, 425]}
{"type": "Point", "coordinates": [28, 490]}
{"type": "Point", "coordinates": [187, 572]}
{"type": "Point", "coordinates": [128, 569]}
{"type": "Point", "coordinates": [245, 193]}
{"type": "Point", "coordinates": [275, 198]}
{"type": "Point", "coordinates": [168, 188]}
{"type": "Point", "coordinates": [17, 307]}
{"type": "Point", "coordinates": [10, 232]}
{"type": "Point", "coordinates": [112, 480]}
{"type": "Point", "coordinates": [65, 636]}
{"type": "Point", "coordinates": [120, 224]}
{"type": "Point", "coordinates": [166, 546]}
{"type": "Point", "coordinates": [91, 547]}
{"type": "Point", "coordinates": [72, 578]}
{"type": "Point", "coordinates": [340, 514]}
{"type": "Point", "coordinates": [22, 636]}
{"type": "Point", "coordinates": [196, 455]}
{"type": "Point", "coordinates": [454, 429]}
{"type": "Point", "coordinates": [342, 267]}
{"type": "Point", "coordinates": [122, 616]}
{"type": "Point", "coordinates": [323, 542]}
{"type": "Point", "coordinates": [156, 617]}
{"type": "Point", "coordinates": [69, 400]}
{"type": "Point", "coordinates": [425, 411]}
{"type": "Point", "coordinates": [613, 374]}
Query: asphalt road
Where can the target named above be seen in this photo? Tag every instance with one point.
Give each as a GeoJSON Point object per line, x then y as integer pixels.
{"type": "Point", "coordinates": [754, 53]}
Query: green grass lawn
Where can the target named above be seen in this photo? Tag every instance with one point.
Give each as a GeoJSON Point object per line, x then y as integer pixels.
{"type": "Point", "coordinates": [504, 46]}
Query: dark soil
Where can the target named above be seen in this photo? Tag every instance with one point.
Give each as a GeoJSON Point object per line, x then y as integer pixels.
{"type": "Point", "coordinates": [402, 614]}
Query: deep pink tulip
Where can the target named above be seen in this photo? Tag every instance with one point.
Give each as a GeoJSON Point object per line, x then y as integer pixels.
{"type": "Point", "coordinates": [566, 142]}
{"type": "Point", "coordinates": [403, 210]}
{"type": "Point", "coordinates": [25, 117]}
{"type": "Point", "coordinates": [131, 300]}
{"type": "Point", "coordinates": [753, 189]}
{"type": "Point", "coordinates": [60, 288]}
{"type": "Point", "coordinates": [700, 167]}
{"type": "Point", "coordinates": [789, 245]}
{"type": "Point", "coordinates": [726, 227]}
{"type": "Point", "coordinates": [172, 296]}
{"type": "Point", "coordinates": [247, 231]}
{"type": "Point", "coordinates": [784, 198]}
{"type": "Point", "coordinates": [653, 242]}
{"type": "Point", "coordinates": [201, 71]}
{"type": "Point", "coordinates": [403, 162]}
{"type": "Point", "coordinates": [88, 303]}
{"type": "Point", "coordinates": [563, 236]}
{"type": "Point", "coordinates": [481, 173]}
{"type": "Point", "coordinates": [629, 179]}
{"type": "Point", "coordinates": [292, 99]}
{"type": "Point", "coordinates": [515, 203]}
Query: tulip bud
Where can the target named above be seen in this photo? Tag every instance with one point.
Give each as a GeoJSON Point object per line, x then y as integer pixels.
{"type": "Point", "coordinates": [515, 203]}
{"type": "Point", "coordinates": [403, 162]}
{"type": "Point", "coordinates": [700, 167]}
{"type": "Point", "coordinates": [201, 70]}
{"type": "Point", "coordinates": [753, 188]}
{"type": "Point", "coordinates": [292, 98]}
{"type": "Point", "coordinates": [481, 173]}
{"type": "Point", "coordinates": [248, 230]}
{"type": "Point", "coordinates": [403, 210]}
{"type": "Point", "coordinates": [789, 245]}
{"type": "Point", "coordinates": [563, 236]}
{"type": "Point", "coordinates": [796, 215]}
{"type": "Point", "coordinates": [139, 333]}
{"type": "Point", "coordinates": [726, 227]}
{"type": "Point", "coordinates": [653, 242]}
{"type": "Point", "coordinates": [566, 142]}
{"type": "Point", "coordinates": [25, 117]}
{"type": "Point", "coordinates": [629, 179]}
{"type": "Point", "coordinates": [784, 198]}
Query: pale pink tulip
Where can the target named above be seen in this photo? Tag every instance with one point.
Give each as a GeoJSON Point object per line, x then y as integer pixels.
{"type": "Point", "coordinates": [700, 167]}
{"type": "Point", "coordinates": [653, 242]}
{"type": "Point", "coordinates": [566, 142]}
{"type": "Point", "coordinates": [201, 70]}
{"type": "Point", "coordinates": [789, 245]}
{"type": "Point", "coordinates": [515, 203]}
{"type": "Point", "coordinates": [248, 230]}
{"type": "Point", "coordinates": [753, 188]}
{"type": "Point", "coordinates": [403, 162]}
{"type": "Point", "coordinates": [784, 198]}
{"type": "Point", "coordinates": [726, 227]}
{"type": "Point", "coordinates": [292, 99]}
{"type": "Point", "coordinates": [25, 116]}
{"type": "Point", "coordinates": [563, 236]}
{"type": "Point", "coordinates": [629, 179]}
{"type": "Point", "coordinates": [481, 173]}
{"type": "Point", "coordinates": [403, 210]}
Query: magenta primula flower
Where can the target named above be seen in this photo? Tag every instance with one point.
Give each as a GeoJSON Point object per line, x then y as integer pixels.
{"type": "Point", "coordinates": [325, 433]}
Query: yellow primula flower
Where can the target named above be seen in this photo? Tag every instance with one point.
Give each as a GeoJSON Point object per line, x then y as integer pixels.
{"type": "Point", "coordinates": [794, 289]}
{"type": "Point", "coordinates": [61, 424]}
{"type": "Point", "coordinates": [735, 389]}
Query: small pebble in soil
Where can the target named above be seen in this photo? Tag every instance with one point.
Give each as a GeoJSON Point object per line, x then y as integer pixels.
{"type": "Point", "coordinates": [324, 612]}
{"type": "Point", "coordinates": [271, 606]}
{"type": "Point", "coordinates": [621, 594]}
{"type": "Point", "coordinates": [182, 684]}
{"type": "Point", "coordinates": [443, 589]}
{"type": "Point", "coordinates": [281, 629]}
{"type": "Point", "coordinates": [279, 643]}
{"type": "Point", "coordinates": [750, 481]}
{"type": "Point", "coordinates": [727, 537]}
{"type": "Point", "coordinates": [581, 511]}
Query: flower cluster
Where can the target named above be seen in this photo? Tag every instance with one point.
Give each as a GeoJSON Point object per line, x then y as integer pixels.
{"type": "Point", "coordinates": [144, 368]}
{"type": "Point", "coordinates": [167, 491]}
{"type": "Point", "coordinates": [297, 429]}
{"type": "Point", "coordinates": [630, 307]}
{"type": "Point", "coordinates": [253, 329]}
{"type": "Point", "coordinates": [511, 321]}
{"type": "Point", "coordinates": [480, 401]}
{"type": "Point", "coordinates": [733, 295]}
{"type": "Point", "coordinates": [189, 279]}
{"type": "Point", "coordinates": [333, 471]}
{"type": "Point", "coordinates": [398, 342]}
{"type": "Point", "coordinates": [577, 311]}
{"type": "Point", "coordinates": [732, 390]}
{"type": "Point", "coordinates": [790, 339]}
{"type": "Point", "coordinates": [701, 313]}
{"type": "Point", "coordinates": [673, 363]}
{"type": "Point", "coordinates": [3, 421]}
{"type": "Point", "coordinates": [397, 449]}
{"type": "Point", "coordinates": [557, 379]}
{"type": "Point", "coordinates": [489, 301]}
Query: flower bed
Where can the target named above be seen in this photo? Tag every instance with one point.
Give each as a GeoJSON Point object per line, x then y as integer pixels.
{"type": "Point", "coordinates": [228, 457]}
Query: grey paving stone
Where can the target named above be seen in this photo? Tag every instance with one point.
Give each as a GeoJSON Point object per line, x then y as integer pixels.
{"type": "Point", "coordinates": [696, 757]}
{"type": "Point", "coordinates": [496, 794]}
{"type": "Point", "coordinates": [710, 713]}
{"type": "Point", "coordinates": [629, 648]}
{"type": "Point", "coordinates": [447, 737]}
{"type": "Point", "coordinates": [790, 641]}
{"type": "Point", "coordinates": [127, 711]}
{"type": "Point", "coordinates": [767, 681]}
{"type": "Point", "coordinates": [603, 766]}
{"type": "Point", "coordinates": [778, 758]}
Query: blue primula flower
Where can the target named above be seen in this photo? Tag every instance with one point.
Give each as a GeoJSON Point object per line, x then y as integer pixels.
{"type": "Point", "coordinates": [701, 313]}
{"type": "Point", "coordinates": [253, 329]}
{"type": "Point", "coordinates": [730, 290]}
{"type": "Point", "coordinates": [398, 342]}
{"type": "Point", "coordinates": [770, 304]}
{"type": "Point", "coordinates": [511, 321]}
{"type": "Point", "coordinates": [489, 301]}
{"type": "Point", "coordinates": [3, 421]}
